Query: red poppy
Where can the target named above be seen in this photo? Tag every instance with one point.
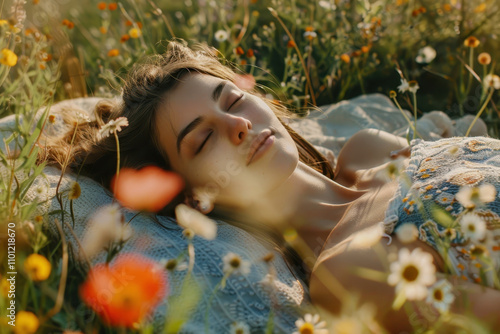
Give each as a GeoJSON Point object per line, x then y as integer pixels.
{"type": "Point", "coordinates": [149, 189]}
{"type": "Point", "coordinates": [125, 292]}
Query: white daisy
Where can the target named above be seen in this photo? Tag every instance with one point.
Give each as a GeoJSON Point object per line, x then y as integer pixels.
{"type": "Point", "coordinates": [112, 126]}
{"type": "Point", "coordinates": [407, 233]}
{"type": "Point", "coordinates": [105, 226]}
{"type": "Point", "coordinates": [310, 324]}
{"type": "Point", "coordinates": [413, 86]}
{"type": "Point", "coordinates": [440, 295]}
{"type": "Point", "coordinates": [221, 35]}
{"type": "Point", "coordinates": [404, 87]}
{"type": "Point", "coordinates": [473, 227]}
{"type": "Point", "coordinates": [492, 80]}
{"type": "Point", "coordinates": [471, 197]}
{"type": "Point", "coordinates": [239, 328]}
{"type": "Point", "coordinates": [234, 264]}
{"type": "Point", "coordinates": [444, 198]}
{"type": "Point", "coordinates": [426, 55]}
{"type": "Point", "coordinates": [310, 34]}
{"type": "Point", "coordinates": [197, 222]}
{"type": "Point", "coordinates": [412, 273]}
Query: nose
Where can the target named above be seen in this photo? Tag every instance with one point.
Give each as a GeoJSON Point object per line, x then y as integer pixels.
{"type": "Point", "coordinates": [238, 128]}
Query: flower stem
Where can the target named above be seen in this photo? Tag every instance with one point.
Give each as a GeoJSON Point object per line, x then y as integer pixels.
{"type": "Point", "coordinates": [480, 111]}
{"type": "Point", "coordinates": [212, 295]}
{"type": "Point", "coordinates": [415, 113]}
{"type": "Point", "coordinates": [117, 160]}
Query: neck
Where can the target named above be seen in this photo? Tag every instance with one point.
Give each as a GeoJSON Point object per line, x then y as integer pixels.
{"type": "Point", "coordinates": [307, 202]}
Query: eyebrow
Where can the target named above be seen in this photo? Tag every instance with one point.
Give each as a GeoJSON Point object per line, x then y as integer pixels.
{"type": "Point", "coordinates": [198, 120]}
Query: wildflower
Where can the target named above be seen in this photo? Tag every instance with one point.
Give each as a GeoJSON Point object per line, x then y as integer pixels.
{"type": "Point", "coordinates": [473, 227]}
{"type": "Point", "coordinates": [37, 267]}
{"type": "Point", "coordinates": [239, 328]}
{"type": "Point", "coordinates": [392, 94]}
{"type": "Point", "coordinates": [425, 55]}
{"type": "Point", "coordinates": [345, 58]}
{"type": "Point", "coordinates": [471, 197]}
{"type": "Point", "coordinates": [484, 58]}
{"type": "Point", "coordinates": [480, 8]}
{"type": "Point", "coordinates": [250, 53]}
{"type": "Point", "coordinates": [407, 233]}
{"type": "Point", "coordinates": [148, 189]}
{"type": "Point", "coordinates": [106, 225]}
{"type": "Point", "coordinates": [471, 42]}
{"type": "Point", "coordinates": [404, 87]}
{"type": "Point", "coordinates": [221, 36]}
{"type": "Point", "coordinates": [413, 86]}
{"type": "Point", "coordinates": [326, 4]}
{"type": "Point", "coordinates": [200, 224]}
{"type": "Point", "coordinates": [440, 295]}
{"type": "Point", "coordinates": [103, 30]}
{"type": "Point", "coordinates": [26, 323]}
{"type": "Point", "coordinates": [365, 49]}
{"type": "Point", "coordinates": [8, 58]}
{"type": "Point", "coordinates": [245, 81]}
{"type": "Point", "coordinates": [126, 291]}
{"type": "Point", "coordinates": [310, 34]}
{"type": "Point", "coordinates": [134, 33]}
{"type": "Point", "coordinates": [492, 80]}
{"type": "Point", "coordinates": [412, 273]}
{"type": "Point", "coordinates": [113, 125]}
{"type": "Point", "coordinates": [447, 7]}
{"type": "Point", "coordinates": [310, 324]}
{"type": "Point", "coordinates": [4, 287]}
{"type": "Point", "coordinates": [68, 24]}
{"type": "Point", "coordinates": [101, 5]}
{"type": "Point", "coordinates": [290, 44]}
{"type": "Point", "coordinates": [113, 52]}
{"type": "Point", "coordinates": [82, 117]}
{"type": "Point", "coordinates": [112, 6]}
{"type": "Point", "coordinates": [124, 38]}
{"type": "Point", "coordinates": [234, 264]}
{"type": "Point", "coordinates": [75, 191]}
{"type": "Point", "coordinates": [239, 51]}
{"type": "Point", "coordinates": [243, 62]}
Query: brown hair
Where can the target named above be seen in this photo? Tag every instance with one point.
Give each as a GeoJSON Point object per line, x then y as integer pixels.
{"type": "Point", "coordinates": [142, 93]}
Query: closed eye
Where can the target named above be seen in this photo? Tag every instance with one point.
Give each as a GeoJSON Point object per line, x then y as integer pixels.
{"type": "Point", "coordinates": [203, 144]}
{"type": "Point", "coordinates": [235, 101]}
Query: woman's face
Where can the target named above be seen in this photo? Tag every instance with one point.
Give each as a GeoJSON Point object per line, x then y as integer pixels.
{"type": "Point", "coordinates": [226, 143]}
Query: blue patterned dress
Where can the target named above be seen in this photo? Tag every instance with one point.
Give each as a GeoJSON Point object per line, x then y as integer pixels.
{"type": "Point", "coordinates": [427, 198]}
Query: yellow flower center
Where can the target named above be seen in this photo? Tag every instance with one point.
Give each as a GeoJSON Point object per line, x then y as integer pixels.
{"type": "Point", "coordinates": [306, 328]}
{"type": "Point", "coordinates": [410, 273]}
{"type": "Point", "coordinates": [235, 262]}
{"type": "Point", "coordinates": [471, 228]}
{"type": "Point", "coordinates": [438, 295]}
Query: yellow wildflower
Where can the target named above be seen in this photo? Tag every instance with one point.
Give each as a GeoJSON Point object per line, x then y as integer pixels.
{"type": "Point", "coordinates": [7, 57]}
{"type": "Point", "coordinates": [471, 42]}
{"type": "Point", "coordinates": [481, 8]}
{"type": "Point", "coordinates": [113, 52]}
{"type": "Point", "coordinates": [26, 323]}
{"type": "Point", "coordinates": [345, 58]}
{"type": "Point", "coordinates": [37, 267]}
{"type": "Point", "coordinates": [134, 33]}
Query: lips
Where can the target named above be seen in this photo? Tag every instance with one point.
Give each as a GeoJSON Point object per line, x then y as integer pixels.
{"type": "Point", "coordinates": [257, 143]}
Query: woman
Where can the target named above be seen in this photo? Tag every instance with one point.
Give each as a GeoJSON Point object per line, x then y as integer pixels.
{"type": "Point", "coordinates": [239, 160]}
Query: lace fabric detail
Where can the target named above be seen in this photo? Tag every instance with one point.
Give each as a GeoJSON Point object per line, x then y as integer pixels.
{"type": "Point", "coordinates": [435, 174]}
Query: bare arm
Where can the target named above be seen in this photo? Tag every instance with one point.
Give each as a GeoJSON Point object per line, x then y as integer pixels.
{"type": "Point", "coordinates": [337, 268]}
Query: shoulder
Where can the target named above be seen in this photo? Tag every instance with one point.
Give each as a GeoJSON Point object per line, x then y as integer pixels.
{"type": "Point", "coordinates": [370, 144]}
{"type": "Point", "coordinates": [366, 150]}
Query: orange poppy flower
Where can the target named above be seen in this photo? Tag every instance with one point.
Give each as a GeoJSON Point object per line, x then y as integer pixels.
{"type": "Point", "coordinates": [250, 53]}
{"type": "Point", "coordinates": [112, 6]}
{"type": "Point", "coordinates": [113, 52]}
{"type": "Point", "coordinates": [290, 44]}
{"type": "Point", "coordinates": [345, 58]}
{"type": "Point", "coordinates": [101, 5]}
{"type": "Point", "coordinates": [150, 188]}
{"type": "Point", "coordinates": [124, 38]}
{"type": "Point", "coordinates": [123, 293]}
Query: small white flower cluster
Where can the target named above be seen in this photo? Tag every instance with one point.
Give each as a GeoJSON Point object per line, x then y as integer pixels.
{"type": "Point", "coordinates": [411, 86]}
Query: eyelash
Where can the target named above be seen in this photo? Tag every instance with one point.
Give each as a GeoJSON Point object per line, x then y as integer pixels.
{"type": "Point", "coordinates": [206, 139]}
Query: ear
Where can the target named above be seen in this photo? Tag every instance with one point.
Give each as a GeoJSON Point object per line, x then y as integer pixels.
{"type": "Point", "coordinates": [202, 204]}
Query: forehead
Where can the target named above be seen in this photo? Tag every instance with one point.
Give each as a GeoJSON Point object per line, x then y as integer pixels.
{"type": "Point", "coordinates": [181, 105]}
